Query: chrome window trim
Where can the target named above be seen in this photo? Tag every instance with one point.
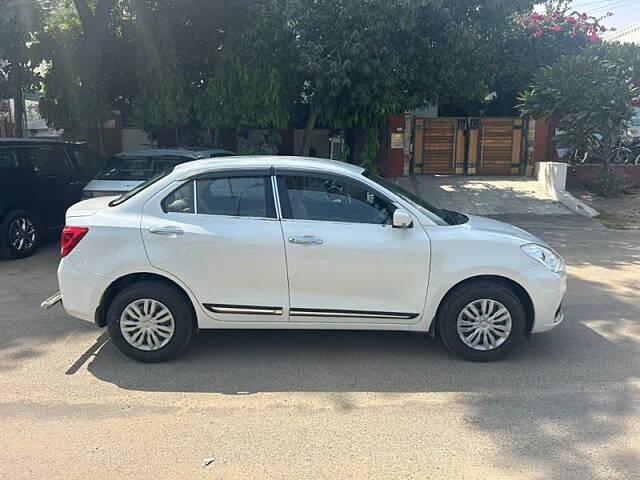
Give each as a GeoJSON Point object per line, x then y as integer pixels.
{"type": "Point", "coordinates": [276, 197]}
{"type": "Point", "coordinates": [195, 197]}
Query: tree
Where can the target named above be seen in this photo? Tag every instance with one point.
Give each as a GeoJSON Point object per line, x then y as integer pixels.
{"type": "Point", "coordinates": [20, 24]}
{"type": "Point", "coordinates": [532, 41]}
{"type": "Point", "coordinates": [352, 63]}
{"type": "Point", "coordinates": [161, 100]}
{"type": "Point", "coordinates": [146, 58]}
{"type": "Point", "coordinates": [74, 41]}
{"type": "Point", "coordinates": [593, 94]}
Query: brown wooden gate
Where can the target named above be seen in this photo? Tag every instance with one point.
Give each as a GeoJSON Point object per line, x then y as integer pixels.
{"type": "Point", "coordinates": [484, 146]}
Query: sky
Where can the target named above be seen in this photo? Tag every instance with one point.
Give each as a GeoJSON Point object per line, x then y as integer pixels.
{"type": "Point", "coordinates": [625, 12]}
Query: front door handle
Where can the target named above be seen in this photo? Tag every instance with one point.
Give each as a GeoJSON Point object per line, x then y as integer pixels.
{"type": "Point", "coordinates": [166, 230]}
{"type": "Point", "coordinates": [306, 240]}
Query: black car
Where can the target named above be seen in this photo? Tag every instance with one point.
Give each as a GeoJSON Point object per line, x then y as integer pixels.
{"type": "Point", "coordinates": [39, 180]}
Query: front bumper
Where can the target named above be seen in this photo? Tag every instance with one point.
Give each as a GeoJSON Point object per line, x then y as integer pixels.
{"type": "Point", "coordinates": [547, 290]}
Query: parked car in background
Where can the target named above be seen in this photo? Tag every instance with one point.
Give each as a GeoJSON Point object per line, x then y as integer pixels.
{"type": "Point", "coordinates": [39, 180]}
{"type": "Point", "coordinates": [287, 242]}
{"type": "Point", "coordinates": [127, 170]}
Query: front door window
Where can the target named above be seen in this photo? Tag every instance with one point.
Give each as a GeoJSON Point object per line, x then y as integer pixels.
{"type": "Point", "coordinates": [333, 199]}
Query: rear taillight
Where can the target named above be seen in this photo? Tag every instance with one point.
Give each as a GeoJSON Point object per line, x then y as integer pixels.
{"type": "Point", "coordinates": [71, 236]}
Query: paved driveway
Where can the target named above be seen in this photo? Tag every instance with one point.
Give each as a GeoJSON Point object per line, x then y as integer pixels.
{"type": "Point", "coordinates": [289, 405]}
{"type": "Point", "coordinates": [484, 195]}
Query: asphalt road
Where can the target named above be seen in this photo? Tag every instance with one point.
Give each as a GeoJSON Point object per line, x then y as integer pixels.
{"type": "Point", "coordinates": [269, 404]}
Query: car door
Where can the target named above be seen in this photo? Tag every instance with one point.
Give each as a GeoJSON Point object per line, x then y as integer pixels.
{"type": "Point", "coordinates": [345, 261]}
{"type": "Point", "coordinates": [219, 234]}
{"type": "Point", "coordinates": [56, 182]}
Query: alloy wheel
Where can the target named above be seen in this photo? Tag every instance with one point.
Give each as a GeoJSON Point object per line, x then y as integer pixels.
{"type": "Point", "coordinates": [22, 234]}
{"type": "Point", "coordinates": [484, 324]}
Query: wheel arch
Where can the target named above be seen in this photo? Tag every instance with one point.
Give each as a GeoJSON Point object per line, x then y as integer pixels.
{"type": "Point", "coordinates": [119, 284]}
{"type": "Point", "coordinates": [514, 286]}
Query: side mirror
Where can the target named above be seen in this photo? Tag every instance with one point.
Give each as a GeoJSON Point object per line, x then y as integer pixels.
{"type": "Point", "coordinates": [402, 219]}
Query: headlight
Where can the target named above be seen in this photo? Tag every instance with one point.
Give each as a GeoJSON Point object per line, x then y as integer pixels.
{"type": "Point", "coordinates": [544, 255]}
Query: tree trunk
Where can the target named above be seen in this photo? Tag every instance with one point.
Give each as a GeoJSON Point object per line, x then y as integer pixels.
{"type": "Point", "coordinates": [95, 26]}
{"type": "Point", "coordinates": [306, 140]}
{"type": "Point", "coordinates": [18, 103]}
{"type": "Point", "coordinates": [607, 146]}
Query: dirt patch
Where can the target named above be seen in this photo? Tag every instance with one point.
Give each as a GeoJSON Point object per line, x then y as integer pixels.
{"type": "Point", "coordinates": [621, 212]}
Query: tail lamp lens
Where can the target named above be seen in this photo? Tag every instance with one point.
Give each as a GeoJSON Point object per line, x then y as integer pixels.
{"type": "Point", "coordinates": [71, 236]}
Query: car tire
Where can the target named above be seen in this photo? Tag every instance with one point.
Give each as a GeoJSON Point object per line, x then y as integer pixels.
{"type": "Point", "coordinates": [143, 304]}
{"type": "Point", "coordinates": [463, 316]}
{"type": "Point", "coordinates": [19, 234]}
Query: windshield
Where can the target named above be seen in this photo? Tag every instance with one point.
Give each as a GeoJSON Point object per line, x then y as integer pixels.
{"type": "Point", "coordinates": [126, 196]}
{"type": "Point", "coordinates": [446, 217]}
{"type": "Point", "coordinates": [138, 168]}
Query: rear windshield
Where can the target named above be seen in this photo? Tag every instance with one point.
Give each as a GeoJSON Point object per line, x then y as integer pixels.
{"type": "Point", "coordinates": [126, 196]}
{"type": "Point", "coordinates": [138, 168]}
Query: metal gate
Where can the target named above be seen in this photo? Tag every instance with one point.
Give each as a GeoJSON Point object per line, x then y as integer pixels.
{"type": "Point", "coordinates": [483, 146]}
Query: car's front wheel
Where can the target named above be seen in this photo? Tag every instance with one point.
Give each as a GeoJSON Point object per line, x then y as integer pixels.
{"type": "Point", "coordinates": [482, 321]}
{"type": "Point", "coordinates": [150, 321]}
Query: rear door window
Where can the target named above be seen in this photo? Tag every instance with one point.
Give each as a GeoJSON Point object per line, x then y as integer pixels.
{"type": "Point", "coordinates": [48, 161]}
{"type": "Point", "coordinates": [180, 200]}
{"type": "Point", "coordinates": [235, 196]}
{"type": "Point", "coordinates": [9, 158]}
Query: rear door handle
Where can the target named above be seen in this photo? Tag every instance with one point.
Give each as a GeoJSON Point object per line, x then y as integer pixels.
{"type": "Point", "coordinates": [166, 230]}
{"type": "Point", "coordinates": [306, 240]}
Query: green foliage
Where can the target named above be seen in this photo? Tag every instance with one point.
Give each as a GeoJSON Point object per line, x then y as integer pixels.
{"type": "Point", "coordinates": [253, 63]}
{"type": "Point", "coordinates": [153, 62]}
{"type": "Point", "coordinates": [75, 93]}
{"type": "Point", "coordinates": [20, 25]}
{"type": "Point", "coordinates": [609, 184]}
{"type": "Point", "coordinates": [247, 90]}
{"type": "Point", "coordinates": [162, 100]}
{"type": "Point", "coordinates": [353, 62]}
{"type": "Point", "coordinates": [371, 148]}
{"type": "Point", "coordinates": [591, 93]}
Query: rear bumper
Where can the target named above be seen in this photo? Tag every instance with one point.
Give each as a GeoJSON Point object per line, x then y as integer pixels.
{"type": "Point", "coordinates": [547, 290]}
{"type": "Point", "coordinates": [81, 291]}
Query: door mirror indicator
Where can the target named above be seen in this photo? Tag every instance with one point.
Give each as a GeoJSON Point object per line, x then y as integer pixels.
{"type": "Point", "coordinates": [402, 219]}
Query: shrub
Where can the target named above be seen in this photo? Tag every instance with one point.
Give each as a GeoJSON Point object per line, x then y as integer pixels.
{"type": "Point", "coordinates": [609, 183]}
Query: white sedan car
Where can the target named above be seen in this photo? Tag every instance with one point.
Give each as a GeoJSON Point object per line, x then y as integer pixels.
{"type": "Point", "coordinates": [286, 242]}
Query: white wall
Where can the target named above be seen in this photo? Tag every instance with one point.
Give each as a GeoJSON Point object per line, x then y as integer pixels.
{"type": "Point", "coordinates": [428, 111]}
{"type": "Point", "coordinates": [134, 138]}
{"type": "Point", "coordinates": [628, 34]}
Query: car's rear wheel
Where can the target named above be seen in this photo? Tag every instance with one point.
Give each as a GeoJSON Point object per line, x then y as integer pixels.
{"type": "Point", "coordinates": [482, 321]}
{"type": "Point", "coordinates": [150, 321]}
{"type": "Point", "coordinates": [19, 234]}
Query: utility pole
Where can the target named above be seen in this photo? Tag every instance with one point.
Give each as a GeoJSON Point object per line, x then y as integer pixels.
{"type": "Point", "coordinates": [18, 105]}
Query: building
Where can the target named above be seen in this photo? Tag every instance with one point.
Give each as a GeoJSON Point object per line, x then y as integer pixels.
{"type": "Point", "coordinates": [628, 34]}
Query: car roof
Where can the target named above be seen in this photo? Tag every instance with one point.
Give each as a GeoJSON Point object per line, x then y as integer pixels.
{"type": "Point", "coordinates": [38, 141]}
{"type": "Point", "coordinates": [266, 161]}
{"type": "Point", "coordinates": [205, 152]}
{"type": "Point", "coordinates": [159, 152]}
{"type": "Point", "coordinates": [196, 152]}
